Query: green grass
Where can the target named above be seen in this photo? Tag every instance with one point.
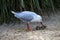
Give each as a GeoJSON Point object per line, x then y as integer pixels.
{"type": "Point", "coordinates": [20, 5]}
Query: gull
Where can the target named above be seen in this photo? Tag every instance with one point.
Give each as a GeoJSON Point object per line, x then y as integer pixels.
{"type": "Point", "coordinates": [28, 16]}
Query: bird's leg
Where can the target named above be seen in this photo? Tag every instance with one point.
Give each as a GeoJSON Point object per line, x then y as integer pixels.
{"type": "Point", "coordinates": [28, 27]}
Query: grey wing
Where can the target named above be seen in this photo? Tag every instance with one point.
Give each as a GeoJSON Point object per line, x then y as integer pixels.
{"type": "Point", "coordinates": [27, 17]}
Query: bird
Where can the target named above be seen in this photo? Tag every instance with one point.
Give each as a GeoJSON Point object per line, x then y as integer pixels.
{"type": "Point", "coordinates": [28, 16]}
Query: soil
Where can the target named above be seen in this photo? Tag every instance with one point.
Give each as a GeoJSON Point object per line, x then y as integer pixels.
{"type": "Point", "coordinates": [17, 32]}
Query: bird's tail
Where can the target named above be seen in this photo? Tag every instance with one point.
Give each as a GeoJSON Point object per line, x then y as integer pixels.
{"type": "Point", "coordinates": [13, 12]}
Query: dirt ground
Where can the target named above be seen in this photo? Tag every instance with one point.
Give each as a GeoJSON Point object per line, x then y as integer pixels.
{"type": "Point", "coordinates": [16, 32]}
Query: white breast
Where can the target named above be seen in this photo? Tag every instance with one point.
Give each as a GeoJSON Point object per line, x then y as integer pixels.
{"type": "Point", "coordinates": [37, 18]}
